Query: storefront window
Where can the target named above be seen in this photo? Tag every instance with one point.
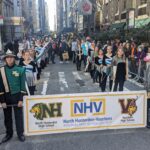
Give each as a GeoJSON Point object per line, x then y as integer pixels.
{"type": "Point", "coordinates": [143, 2]}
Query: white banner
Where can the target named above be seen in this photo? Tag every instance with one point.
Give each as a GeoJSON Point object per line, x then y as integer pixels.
{"type": "Point", "coordinates": [84, 112]}
{"type": "Point", "coordinates": [85, 7]}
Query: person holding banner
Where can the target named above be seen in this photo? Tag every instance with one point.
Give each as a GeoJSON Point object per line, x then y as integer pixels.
{"type": "Point", "coordinates": [12, 89]}
{"type": "Point", "coordinates": [120, 71]}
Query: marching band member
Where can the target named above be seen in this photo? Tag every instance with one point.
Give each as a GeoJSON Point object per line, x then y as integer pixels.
{"type": "Point", "coordinates": [30, 69]}
{"type": "Point", "coordinates": [13, 89]}
{"type": "Point", "coordinates": [99, 66]}
{"type": "Point", "coordinates": [107, 60]}
{"type": "Point", "coordinates": [120, 71]}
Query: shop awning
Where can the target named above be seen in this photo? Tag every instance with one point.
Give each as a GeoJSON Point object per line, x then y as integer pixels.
{"type": "Point", "coordinates": [142, 22]}
{"type": "Point", "coordinates": [117, 26]}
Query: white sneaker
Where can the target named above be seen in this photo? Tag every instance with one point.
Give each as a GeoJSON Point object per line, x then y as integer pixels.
{"type": "Point", "coordinates": [61, 62]}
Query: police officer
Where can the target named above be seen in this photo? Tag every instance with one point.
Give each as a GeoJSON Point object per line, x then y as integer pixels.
{"type": "Point", "coordinates": [12, 89]}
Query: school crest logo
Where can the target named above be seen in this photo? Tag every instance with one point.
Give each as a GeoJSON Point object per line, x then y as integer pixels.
{"type": "Point", "coordinates": [15, 73]}
{"type": "Point", "coordinates": [128, 106]}
{"type": "Point", "coordinates": [42, 111]}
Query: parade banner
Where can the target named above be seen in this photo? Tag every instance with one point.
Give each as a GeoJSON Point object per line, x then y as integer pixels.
{"type": "Point", "coordinates": [84, 112]}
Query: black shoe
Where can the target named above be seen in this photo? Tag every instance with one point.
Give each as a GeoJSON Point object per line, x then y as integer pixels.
{"type": "Point", "coordinates": [6, 138]}
{"type": "Point", "coordinates": [21, 138]}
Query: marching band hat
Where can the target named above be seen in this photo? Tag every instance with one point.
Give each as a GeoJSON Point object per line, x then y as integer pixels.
{"type": "Point", "coordinates": [9, 53]}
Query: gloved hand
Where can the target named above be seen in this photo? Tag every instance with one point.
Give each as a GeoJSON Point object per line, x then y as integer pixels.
{"type": "Point", "coordinates": [4, 105]}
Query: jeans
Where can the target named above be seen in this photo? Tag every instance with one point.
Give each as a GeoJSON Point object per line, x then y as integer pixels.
{"type": "Point", "coordinates": [85, 60]}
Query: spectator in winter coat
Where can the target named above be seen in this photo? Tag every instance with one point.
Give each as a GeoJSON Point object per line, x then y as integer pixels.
{"type": "Point", "coordinates": [140, 53]}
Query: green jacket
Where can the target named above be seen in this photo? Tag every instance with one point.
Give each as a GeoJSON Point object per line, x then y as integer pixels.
{"type": "Point", "coordinates": [1, 90]}
{"type": "Point", "coordinates": [13, 80]}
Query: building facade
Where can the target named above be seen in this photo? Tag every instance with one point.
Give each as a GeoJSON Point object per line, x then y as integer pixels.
{"type": "Point", "coordinates": [27, 14]}
{"type": "Point", "coordinates": [116, 11]}
{"type": "Point", "coordinates": [8, 27]}
{"type": "Point", "coordinates": [59, 13]}
{"type": "Point", "coordinates": [35, 14]}
{"type": "Point", "coordinates": [46, 18]}
{"type": "Point", "coordinates": [42, 15]}
{"type": "Point", "coordinates": [70, 17]}
{"type": "Point", "coordinates": [18, 28]}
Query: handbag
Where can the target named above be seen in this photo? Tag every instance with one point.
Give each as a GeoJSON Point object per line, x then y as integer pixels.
{"type": "Point", "coordinates": [65, 56]}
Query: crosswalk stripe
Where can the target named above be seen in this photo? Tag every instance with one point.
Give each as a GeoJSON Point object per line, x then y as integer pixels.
{"type": "Point", "coordinates": [86, 74]}
{"type": "Point", "coordinates": [45, 83]}
{"type": "Point", "coordinates": [64, 85]}
{"type": "Point", "coordinates": [125, 89]}
{"type": "Point", "coordinates": [62, 81]}
{"type": "Point", "coordinates": [76, 75]}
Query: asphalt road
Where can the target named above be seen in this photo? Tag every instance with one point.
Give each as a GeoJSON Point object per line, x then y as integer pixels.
{"type": "Point", "coordinates": [62, 79]}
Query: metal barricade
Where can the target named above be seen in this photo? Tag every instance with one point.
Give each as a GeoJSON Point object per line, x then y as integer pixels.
{"type": "Point", "coordinates": [147, 87]}
{"type": "Point", "coordinates": [137, 69]}
{"type": "Point", "coordinates": [140, 71]}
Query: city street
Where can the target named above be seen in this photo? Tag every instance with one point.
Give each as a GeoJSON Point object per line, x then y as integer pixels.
{"type": "Point", "coordinates": [70, 105]}
{"type": "Point", "coordinates": [61, 79]}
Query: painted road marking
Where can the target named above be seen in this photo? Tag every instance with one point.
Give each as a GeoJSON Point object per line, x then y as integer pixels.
{"type": "Point", "coordinates": [86, 74]}
{"type": "Point", "coordinates": [62, 81]}
{"type": "Point", "coordinates": [45, 82]}
{"type": "Point", "coordinates": [45, 85]}
{"type": "Point", "coordinates": [78, 79]}
{"type": "Point", "coordinates": [125, 89]}
{"type": "Point", "coordinates": [76, 75]}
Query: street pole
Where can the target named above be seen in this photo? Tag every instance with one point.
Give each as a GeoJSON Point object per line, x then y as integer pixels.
{"type": "Point", "coordinates": [94, 11]}
{"type": "Point", "coordinates": [89, 25]}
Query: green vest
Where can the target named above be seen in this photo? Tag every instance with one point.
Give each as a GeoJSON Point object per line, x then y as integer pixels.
{"type": "Point", "coordinates": [16, 79]}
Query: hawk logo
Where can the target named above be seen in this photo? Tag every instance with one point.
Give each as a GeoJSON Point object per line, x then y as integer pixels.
{"type": "Point", "coordinates": [130, 108]}
{"type": "Point", "coordinates": [41, 110]}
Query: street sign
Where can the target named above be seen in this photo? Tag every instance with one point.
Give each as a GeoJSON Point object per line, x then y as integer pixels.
{"type": "Point", "coordinates": [85, 7]}
{"type": "Point", "coordinates": [131, 18]}
{"type": "Point", "coordinates": [17, 21]}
